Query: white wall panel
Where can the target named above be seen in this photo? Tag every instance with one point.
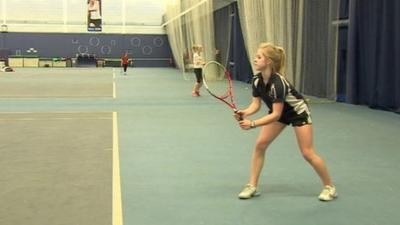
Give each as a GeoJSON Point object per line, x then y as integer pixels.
{"type": "Point", "coordinates": [76, 11]}
{"type": "Point", "coordinates": [34, 11]}
{"type": "Point", "coordinates": [119, 16]}
{"type": "Point", "coordinates": [145, 12]}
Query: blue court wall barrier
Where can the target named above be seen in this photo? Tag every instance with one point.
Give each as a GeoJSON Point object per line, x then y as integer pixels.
{"type": "Point", "coordinates": [149, 50]}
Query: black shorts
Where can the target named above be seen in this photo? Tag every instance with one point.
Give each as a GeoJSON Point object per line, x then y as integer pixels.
{"type": "Point", "coordinates": [197, 72]}
{"type": "Point", "coordinates": [296, 120]}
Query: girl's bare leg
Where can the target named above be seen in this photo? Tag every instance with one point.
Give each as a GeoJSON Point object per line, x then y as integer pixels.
{"type": "Point", "coordinates": [304, 135]}
{"type": "Point", "coordinates": [267, 134]}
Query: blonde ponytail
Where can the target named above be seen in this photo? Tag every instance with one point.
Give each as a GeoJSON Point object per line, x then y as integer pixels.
{"type": "Point", "coordinates": [281, 67]}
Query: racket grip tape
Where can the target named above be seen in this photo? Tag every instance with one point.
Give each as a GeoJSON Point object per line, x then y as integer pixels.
{"type": "Point", "coordinates": [237, 112]}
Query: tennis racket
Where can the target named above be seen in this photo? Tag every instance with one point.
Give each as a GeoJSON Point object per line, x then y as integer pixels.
{"type": "Point", "coordinates": [218, 82]}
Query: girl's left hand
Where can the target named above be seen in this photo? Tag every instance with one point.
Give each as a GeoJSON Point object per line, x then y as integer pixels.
{"type": "Point", "coordinates": [245, 124]}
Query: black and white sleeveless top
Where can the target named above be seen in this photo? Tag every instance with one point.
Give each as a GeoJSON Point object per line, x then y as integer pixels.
{"type": "Point", "coordinates": [278, 89]}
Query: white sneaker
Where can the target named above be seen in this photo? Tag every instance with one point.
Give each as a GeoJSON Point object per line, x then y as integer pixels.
{"type": "Point", "coordinates": [328, 193]}
{"type": "Point", "coordinates": [248, 191]}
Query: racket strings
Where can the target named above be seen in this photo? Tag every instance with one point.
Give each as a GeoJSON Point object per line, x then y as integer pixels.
{"type": "Point", "coordinates": [218, 82]}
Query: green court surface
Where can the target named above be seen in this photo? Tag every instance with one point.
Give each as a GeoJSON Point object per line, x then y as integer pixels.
{"type": "Point", "coordinates": [182, 160]}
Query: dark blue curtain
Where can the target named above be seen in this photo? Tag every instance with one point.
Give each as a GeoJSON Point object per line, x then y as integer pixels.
{"type": "Point", "coordinates": [229, 40]}
{"type": "Point", "coordinates": [342, 64]}
{"type": "Point", "coordinates": [222, 29]}
{"type": "Point", "coordinates": [342, 52]}
{"type": "Point", "coordinates": [239, 64]}
{"type": "Point", "coordinates": [373, 76]}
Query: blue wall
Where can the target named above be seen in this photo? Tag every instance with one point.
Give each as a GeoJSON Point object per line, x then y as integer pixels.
{"type": "Point", "coordinates": [102, 45]}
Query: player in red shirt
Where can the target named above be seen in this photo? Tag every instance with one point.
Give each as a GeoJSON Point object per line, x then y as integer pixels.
{"type": "Point", "coordinates": [125, 62]}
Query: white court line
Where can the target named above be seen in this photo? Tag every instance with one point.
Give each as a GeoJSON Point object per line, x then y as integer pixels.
{"type": "Point", "coordinates": [52, 119]}
{"type": "Point", "coordinates": [114, 90]}
{"type": "Point", "coordinates": [53, 113]}
{"type": "Point", "coordinates": [114, 86]}
{"type": "Point", "coordinates": [117, 218]}
{"type": "Point", "coordinates": [30, 97]}
{"type": "Point", "coordinates": [58, 112]}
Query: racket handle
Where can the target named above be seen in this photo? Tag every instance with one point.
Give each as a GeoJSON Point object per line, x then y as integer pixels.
{"type": "Point", "coordinates": [237, 112]}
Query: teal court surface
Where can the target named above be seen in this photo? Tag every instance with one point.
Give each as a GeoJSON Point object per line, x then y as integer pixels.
{"type": "Point", "coordinates": [94, 147]}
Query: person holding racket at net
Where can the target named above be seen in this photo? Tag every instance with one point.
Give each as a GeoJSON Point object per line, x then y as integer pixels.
{"type": "Point", "coordinates": [198, 64]}
{"type": "Point", "coordinates": [286, 107]}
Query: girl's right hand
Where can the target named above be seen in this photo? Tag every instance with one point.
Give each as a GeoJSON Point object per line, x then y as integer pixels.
{"type": "Point", "coordinates": [238, 115]}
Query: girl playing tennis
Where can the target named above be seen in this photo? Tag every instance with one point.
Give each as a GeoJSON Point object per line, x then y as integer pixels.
{"type": "Point", "coordinates": [287, 107]}
{"type": "Point", "coordinates": [198, 64]}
